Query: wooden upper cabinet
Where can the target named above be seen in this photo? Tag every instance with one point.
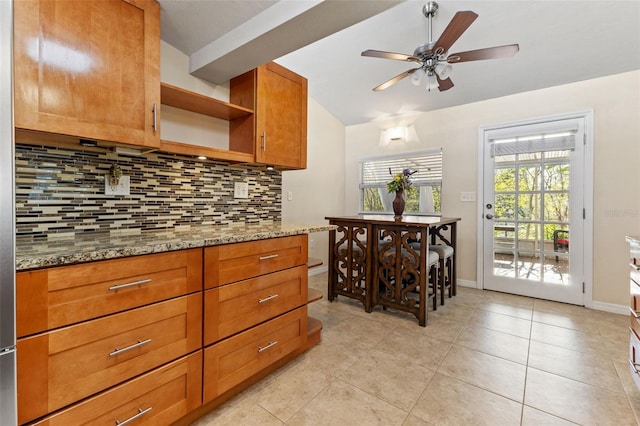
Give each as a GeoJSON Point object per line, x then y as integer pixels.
{"type": "Point", "coordinates": [89, 69]}
{"type": "Point", "coordinates": [277, 133]}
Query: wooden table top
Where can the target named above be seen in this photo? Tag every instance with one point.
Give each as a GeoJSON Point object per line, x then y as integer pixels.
{"type": "Point", "coordinates": [407, 220]}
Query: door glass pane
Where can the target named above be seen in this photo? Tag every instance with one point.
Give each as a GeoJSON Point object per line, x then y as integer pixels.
{"type": "Point", "coordinates": [505, 177]}
{"type": "Point", "coordinates": [529, 265]}
{"type": "Point", "coordinates": [556, 207]}
{"type": "Point", "coordinates": [504, 206]}
{"type": "Point", "coordinates": [529, 206]}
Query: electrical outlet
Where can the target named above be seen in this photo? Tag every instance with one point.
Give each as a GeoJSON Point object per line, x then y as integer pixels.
{"type": "Point", "coordinates": [122, 188]}
{"type": "Point", "coordinates": [312, 243]}
{"type": "Point", "coordinates": [467, 196]}
{"type": "Point", "coordinates": [241, 190]}
{"type": "Point", "coordinates": [290, 195]}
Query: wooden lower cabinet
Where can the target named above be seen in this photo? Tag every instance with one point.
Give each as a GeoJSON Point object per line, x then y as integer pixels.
{"type": "Point", "coordinates": [231, 308]}
{"type": "Point", "coordinates": [156, 398]}
{"type": "Point", "coordinates": [74, 362]}
{"type": "Point", "coordinates": [232, 361]}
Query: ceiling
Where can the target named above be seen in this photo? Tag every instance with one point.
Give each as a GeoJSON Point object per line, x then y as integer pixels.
{"type": "Point", "coordinates": [560, 42]}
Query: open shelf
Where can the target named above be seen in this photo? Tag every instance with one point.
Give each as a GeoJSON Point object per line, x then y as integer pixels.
{"type": "Point", "coordinates": [313, 295]}
{"type": "Point", "coordinates": [195, 102]}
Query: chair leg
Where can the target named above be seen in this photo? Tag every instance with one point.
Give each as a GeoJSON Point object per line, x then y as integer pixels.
{"type": "Point", "coordinates": [434, 273]}
{"type": "Point", "coordinates": [450, 275]}
{"type": "Point", "coordinates": [441, 279]}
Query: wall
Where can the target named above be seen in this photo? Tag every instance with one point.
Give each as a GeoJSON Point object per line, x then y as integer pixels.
{"type": "Point", "coordinates": [60, 192]}
{"type": "Point", "coordinates": [616, 104]}
{"type": "Point", "coordinates": [318, 191]}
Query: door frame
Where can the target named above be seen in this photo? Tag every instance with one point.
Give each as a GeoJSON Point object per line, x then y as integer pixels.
{"type": "Point", "coordinates": [587, 187]}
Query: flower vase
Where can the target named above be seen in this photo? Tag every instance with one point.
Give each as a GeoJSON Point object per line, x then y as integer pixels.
{"type": "Point", "coordinates": [398, 205]}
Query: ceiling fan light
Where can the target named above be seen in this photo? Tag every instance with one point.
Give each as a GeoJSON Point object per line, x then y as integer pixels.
{"type": "Point", "coordinates": [416, 77]}
{"type": "Point", "coordinates": [443, 71]}
{"type": "Point", "coordinates": [432, 82]}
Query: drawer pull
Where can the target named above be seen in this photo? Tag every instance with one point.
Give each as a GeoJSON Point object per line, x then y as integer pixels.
{"type": "Point", "coordinates": [634, 266]}
{"type": "Point", "coordinates": [271, 256]}
{"type": "Point", "coordinates": [119, 286]}
{"type": "Point", "coordinates": [269, 345]}
{"type": "Point", "coordinates": [140, 413]}
{"type": "Point", "coordinates": [128, 348]}
{"type": "Point", "coordinates": [266, 299]}
{"type": "Point", "coordinates": [635, 314]}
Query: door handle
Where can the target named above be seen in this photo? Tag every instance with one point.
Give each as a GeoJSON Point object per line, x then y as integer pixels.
{"type": "Point", "coordinates": [489, 216]}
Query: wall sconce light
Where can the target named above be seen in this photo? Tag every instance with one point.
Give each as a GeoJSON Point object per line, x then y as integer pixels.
{"type": "Point", "coordinates": [396, 134]}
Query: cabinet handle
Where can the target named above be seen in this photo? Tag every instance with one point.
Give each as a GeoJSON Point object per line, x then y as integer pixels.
{"type": "Point", "coordinates": [634, 266]}
{"type": "Point", "coordinates": [634, 366]}
{"type": "Point", "coordinates": [266, 299]}
{"type": "Point", "coordinates": [140, 413]}
{"type": "Point", "coordinates": [269, 345]}
{"type": "Point", "coordinates": [271, 256]}
{"type": "Point", "coordinates": [155, 118]}
{"type": "Point", "coordinates": [131, 284]}
{"type": "Point", "coordinates": [635, 314]}
{"type": "Point", "coordinates": [128, 348]}
{"type": "Point", "coordinates": [264, 141]}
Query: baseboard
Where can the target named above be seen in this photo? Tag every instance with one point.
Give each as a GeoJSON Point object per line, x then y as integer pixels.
{"type": "Point", "coordinates": [466, 283]}
{"type": "Point", "coordinates": [318, 270]}
{"type": "Point", "coordinates": [610, 307]}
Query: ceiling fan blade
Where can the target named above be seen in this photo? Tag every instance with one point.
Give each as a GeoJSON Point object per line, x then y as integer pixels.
{"type": "Point", "coordinates": [390, 55]}
{"type": "Point", "coordinates": [488, 53]}
{"type": "Point", "coordinates": [394, 80]}
{"type": "Point", "coordinates": [445, 84]}
{"type": "Point", "coordinates": [458, 25]}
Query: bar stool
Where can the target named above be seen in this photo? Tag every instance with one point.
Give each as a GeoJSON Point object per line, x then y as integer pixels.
{"type": "Point", "coordinates": [445, 255]}
{"type": "Point", "coordinates": [445, 267]}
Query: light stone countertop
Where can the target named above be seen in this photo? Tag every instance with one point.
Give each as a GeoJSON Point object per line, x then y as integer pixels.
{"type": "Point", "coordinates": [34, 253]}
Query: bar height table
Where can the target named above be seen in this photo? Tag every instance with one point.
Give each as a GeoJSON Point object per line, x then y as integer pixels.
{"type": "Point", "coordinates": [364, 263]}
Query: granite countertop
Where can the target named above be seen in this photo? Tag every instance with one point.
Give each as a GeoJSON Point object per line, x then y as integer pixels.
{"type": "Point", "coordinates": [38, 253]}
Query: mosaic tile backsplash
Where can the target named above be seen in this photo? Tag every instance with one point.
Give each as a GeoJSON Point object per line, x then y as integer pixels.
{"type": "Point", "coordinates": [60, 192]}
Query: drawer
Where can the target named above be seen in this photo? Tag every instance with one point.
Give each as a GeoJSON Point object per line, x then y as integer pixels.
{"type": "Point", "coordinates": [234, 262]}
{"type": "Point", "coordinates": [231, 308]}
{"type": "Point", "coordinates": [634, 357]}
{"type": "Point", "coordinates": [159, 397]}
{"type": "Point", "coordinates": [71, 363]}
{"type": "Point", "coordinates": [56, 297]}
{"type": "Point", "coordinates": [231, 361]}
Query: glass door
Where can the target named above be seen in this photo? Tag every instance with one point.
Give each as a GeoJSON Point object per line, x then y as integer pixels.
{"type": "Point", "coordinates": [533, 211]}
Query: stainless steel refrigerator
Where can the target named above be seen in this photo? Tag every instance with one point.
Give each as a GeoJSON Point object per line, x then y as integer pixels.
{"type": "Point", "coordinates": [8, 410]}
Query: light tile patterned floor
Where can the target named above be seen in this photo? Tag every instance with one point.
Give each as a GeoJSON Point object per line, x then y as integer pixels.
{"type": "Point", "coordinates": [485, 358]}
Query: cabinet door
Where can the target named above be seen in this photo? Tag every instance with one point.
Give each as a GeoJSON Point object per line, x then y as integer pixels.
{"type": "Point", "coordinates": [281, 117]}
{"type": "Point", "coordinates": [88, 68]}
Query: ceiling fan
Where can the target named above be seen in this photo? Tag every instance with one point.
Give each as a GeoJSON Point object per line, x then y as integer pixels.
{"type": "Point", "coordinates": [433, 58]}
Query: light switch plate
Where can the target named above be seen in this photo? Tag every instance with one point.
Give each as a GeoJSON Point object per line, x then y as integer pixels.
{"type": "Point", "coordinates": [241, 190]}
{"type": "Point", "coordinates": [122, 188]}
{"type": "Point", "coordinates": [467, 196]}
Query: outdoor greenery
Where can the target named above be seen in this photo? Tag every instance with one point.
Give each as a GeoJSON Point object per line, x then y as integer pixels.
{"type": "Point", "coordinates": [543, 194]}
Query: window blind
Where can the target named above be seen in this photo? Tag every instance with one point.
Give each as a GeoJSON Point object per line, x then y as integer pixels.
{"type": "Point", "coordinates": [427, 166]}
{"type": "Point", "coordinates": [534, 143]}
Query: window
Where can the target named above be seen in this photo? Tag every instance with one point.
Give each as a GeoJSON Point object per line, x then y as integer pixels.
{"type": "Point", "coordinates": [427, 179]}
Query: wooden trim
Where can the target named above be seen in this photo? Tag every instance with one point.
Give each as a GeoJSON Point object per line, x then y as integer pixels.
{"type": "Point", "coordinates": [211, 153]}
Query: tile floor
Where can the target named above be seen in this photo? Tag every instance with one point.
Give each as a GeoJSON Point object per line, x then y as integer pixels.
{"type": "Point", "coordinates": [485, 358]}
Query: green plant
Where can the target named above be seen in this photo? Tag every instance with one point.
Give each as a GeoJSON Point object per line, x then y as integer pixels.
{"type": "Point", "coordinates": [401, 182]}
